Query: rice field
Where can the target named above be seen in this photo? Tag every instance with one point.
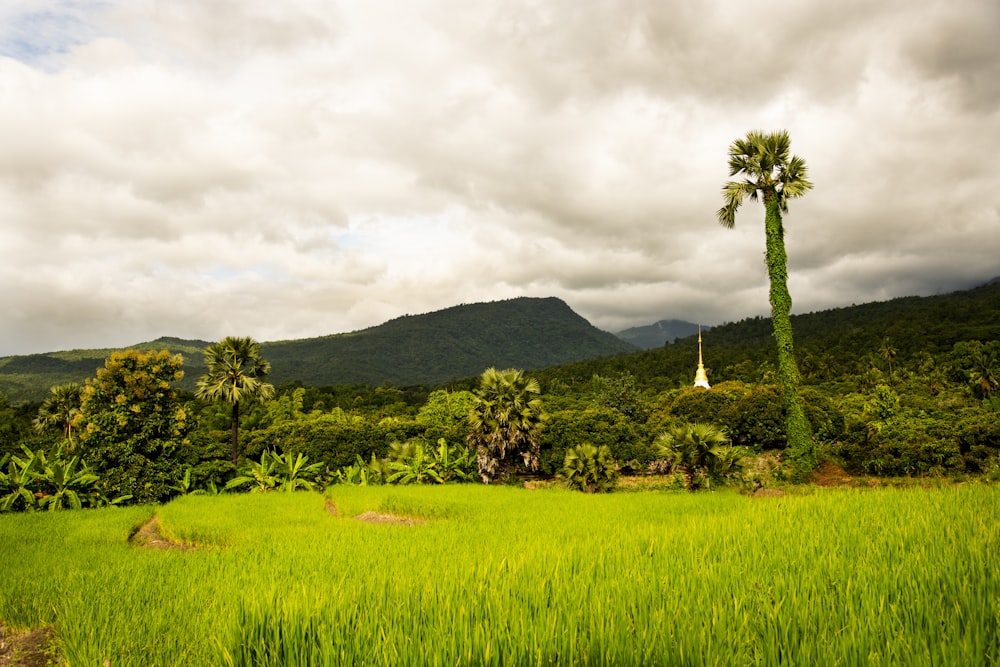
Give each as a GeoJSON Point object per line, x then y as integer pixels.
{"type": "Point", "coordinates": [507, 576]}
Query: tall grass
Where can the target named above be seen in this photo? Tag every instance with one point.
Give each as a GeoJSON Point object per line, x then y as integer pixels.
{"type": "Point", "coordinates": [502, 576]}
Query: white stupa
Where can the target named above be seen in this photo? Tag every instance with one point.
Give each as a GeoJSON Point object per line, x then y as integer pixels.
{"type": "Point", "coordinates": [700, 376]}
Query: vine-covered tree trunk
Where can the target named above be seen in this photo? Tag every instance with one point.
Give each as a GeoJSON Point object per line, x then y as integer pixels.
{"type": "Point", "coordinates": [800, 448]}
{"type": "Point", "coordinates": [234, 432]}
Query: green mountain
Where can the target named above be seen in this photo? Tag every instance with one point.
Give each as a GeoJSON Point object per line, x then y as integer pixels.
{"type": "Point", "coordinates": [829, 344]}
{"type": "Point", "coordinates": [457, 342]}
{"type": "Point", "coordinates": [433, 348]}
{"type": "Point", "coordinates": [28, 377]}
{"type": "Point", "coordinates": [658, 334]}
{"type": "Point", "coordinates": [546, 336]}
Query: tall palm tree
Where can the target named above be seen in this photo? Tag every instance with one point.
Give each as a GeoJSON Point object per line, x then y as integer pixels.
{"type": "Point", "coordinates": [889, 352]}
{"type": "Point", "coordinates": [236, 373]}
{"type": "Point", "coordinates": [773, 175]}
{"type": "Point", "coordinates": [505, 423]}
{"type": "Point", "coordinates": [61, 408]}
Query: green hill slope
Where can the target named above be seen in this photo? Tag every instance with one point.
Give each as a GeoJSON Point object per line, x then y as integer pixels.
{"type": "Point", "coordinates": [457, 342]}
{"type": "Point", "coordinates": [828, 344]}
{"type": "Point", "coordinates": [433, 348]}
{"type": "Point", "coordinates": [546, 336]}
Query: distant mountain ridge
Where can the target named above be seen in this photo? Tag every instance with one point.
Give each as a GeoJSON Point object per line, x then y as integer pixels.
{"type": "Point", "coordinates": [457, 342]}
{"type": "Point", "coordinates": [547, 336]}
{"type": "Point", "coordinates": [433, 348]}
{"type": "Point", "coordinates": [659, 333]}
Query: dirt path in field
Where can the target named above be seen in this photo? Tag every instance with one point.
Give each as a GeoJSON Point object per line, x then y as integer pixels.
{"type": "Point", "coordinates": [149, 536]}
{"type": "Point", "coordinates": [379, 517]}
{"type": "Point", "coordinates": [376, 517]}
{"type": "Point", "coordinates": [32, 648]}
{"type": "Point", "coordinates": [831, 474]}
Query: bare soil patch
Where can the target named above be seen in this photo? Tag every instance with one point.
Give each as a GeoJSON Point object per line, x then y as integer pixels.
{"type": "Point", "coordinates": [831, 474]}
{"type": "Point", "coordinates": [379, 517]}
{"type": "Point", "coordinates": [32, 648]}
{"type": "Point", "coordinates": [768, 493]}
{"type": "Point", "coordinates": [149, 536]}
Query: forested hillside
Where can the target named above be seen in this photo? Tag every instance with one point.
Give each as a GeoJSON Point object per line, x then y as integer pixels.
{"type": "Point", "coordinates": [28, 377]}
{"type": "Point", "coordinates": [426, 349]}
{"type": "Point", "coordinates": [536, 334]}
{"type": "Point", "coordinates": [453, 343]}
{"type": "Point", "coordinates": [831, 344]}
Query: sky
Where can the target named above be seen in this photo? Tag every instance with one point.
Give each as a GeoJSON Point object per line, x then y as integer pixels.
{"type": "Point", "coordinates": [283, 170]}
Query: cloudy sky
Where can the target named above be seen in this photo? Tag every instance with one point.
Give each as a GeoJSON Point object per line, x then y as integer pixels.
{"type": "Point", "coordinates": [202, 168]}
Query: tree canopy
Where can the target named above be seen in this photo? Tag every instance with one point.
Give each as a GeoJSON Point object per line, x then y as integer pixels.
{"type": "Point", "coordinates": [236, 373]}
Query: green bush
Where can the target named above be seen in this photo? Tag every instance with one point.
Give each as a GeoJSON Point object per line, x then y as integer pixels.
{"type": "Point", "coordinates": [755, 419]}
{"type": "Point", "coordinates": [589, 469]}
{"type": "Point", "coordinates": [338, 443]}
{"type": "Point", "coordinates": [626, 440]}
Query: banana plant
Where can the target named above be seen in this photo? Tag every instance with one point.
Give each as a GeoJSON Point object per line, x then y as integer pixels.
{"type": "Point", "coordinates": [259, 477]}
{"type": "Point", "coordinates": [362, 474]}
{"type": "Point", "coordinates": [184, 487]}
{"type": "Point", "coordinates": [98, 499]}
{"type": "Point", "coordinates": [454, 463]}
{"type": "Point", "coordinates": [66, 480]}
{"type": "Point", "coordinates": [293, 475]}
{"type": "Point", "coordinates": [277, 471]}
{"type": "Point", "coordinates": [418, 467]}
{"type": "Point", "coordinates": [354, 475]}
{"type": "Point", "coordinates": [16, 482]}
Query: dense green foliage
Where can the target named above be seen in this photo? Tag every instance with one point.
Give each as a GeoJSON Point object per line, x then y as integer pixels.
{"type": "Point", "coordinates": [627, 440]}
{"type": "Point", "coordinates": [336, 439]}
{"type": "Point", "coordinates": [37, 481]}
{"type": "Point", "coordinates": [935, 413]}
{"type": "Point", "coordinates": [136, 428]}
{"type": "Point", "coordinates": [505, 576]}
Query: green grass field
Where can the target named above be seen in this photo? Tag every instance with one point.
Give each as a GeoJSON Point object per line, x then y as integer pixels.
{"type": "Point", "coordinates": [506, 576]}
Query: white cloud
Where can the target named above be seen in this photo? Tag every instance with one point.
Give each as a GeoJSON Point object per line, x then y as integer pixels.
{"type": "Point", "coordinates": [310, 167]}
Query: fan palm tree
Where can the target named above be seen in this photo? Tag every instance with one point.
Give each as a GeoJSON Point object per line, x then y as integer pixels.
{"type": "Point", "coordinates": [589, 469]}
{"type": "Point", "coordinates": [692, 448]}
{"type": "Point", "coordinates": [770, 173]}
{"type": "Point", "coordinates": [236, 373]}
{"type": "Point", "coordinates": [61, 409]}
{"type": "Point", "coordinates": [505, 423]}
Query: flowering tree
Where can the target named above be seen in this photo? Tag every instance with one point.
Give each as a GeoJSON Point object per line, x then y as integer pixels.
{"type": "Point", "coordinates": [135, 427]}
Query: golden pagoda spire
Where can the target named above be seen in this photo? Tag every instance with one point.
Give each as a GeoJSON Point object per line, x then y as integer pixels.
{"type": "Point", "coordinates": [700, 376]}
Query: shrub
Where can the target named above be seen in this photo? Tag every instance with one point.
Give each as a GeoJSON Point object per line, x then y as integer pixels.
{"type": "Point", "coordinates": [698, 451]}
{"type": "Point", "coordinates": [600, 427]}
{"type": "Point", "coordinates": [589, 469]}
{"type": "Point", "coordinates": [338, 443]}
